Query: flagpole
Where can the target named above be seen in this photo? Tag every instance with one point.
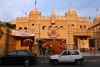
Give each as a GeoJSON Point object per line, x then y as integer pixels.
{"type": "Point", "coordinates": [35, 2]}
{"type": "Point", "coordinates": [22, 12]}
{"type": "Point", "coordinates": [97, 10]}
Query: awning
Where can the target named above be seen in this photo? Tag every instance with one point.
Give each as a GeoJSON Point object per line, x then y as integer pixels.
{"type": "Point", "coordinates": [23, 33]}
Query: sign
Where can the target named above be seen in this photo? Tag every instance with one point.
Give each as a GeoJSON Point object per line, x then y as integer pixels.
{"type": "Point", "coordinates": [23, 33]}
{"type": "Point", "coordinates": [53, 31]}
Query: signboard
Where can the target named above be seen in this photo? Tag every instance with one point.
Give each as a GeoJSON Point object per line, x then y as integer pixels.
{"type": "Point", "coordinates": [23, 33]}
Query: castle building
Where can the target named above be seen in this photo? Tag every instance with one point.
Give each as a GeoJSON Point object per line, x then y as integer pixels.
{"type": "Point", "coordinates": [68, 30]}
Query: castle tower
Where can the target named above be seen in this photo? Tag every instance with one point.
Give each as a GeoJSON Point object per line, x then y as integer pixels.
{"type": "Point", "coordinates": [34, 14]}
{"type": "Point", "coordinates": [70, 15]}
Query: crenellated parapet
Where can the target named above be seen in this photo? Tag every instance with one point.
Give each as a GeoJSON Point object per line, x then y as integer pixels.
{"type": "Point", "coordinates": [24, 18]}
{"type": "Point", "coordinates": [13, 21]}
{"type": "Point", "coordinates": [44, 17]}
{"type": "Point", "coordinates": [60, 17]}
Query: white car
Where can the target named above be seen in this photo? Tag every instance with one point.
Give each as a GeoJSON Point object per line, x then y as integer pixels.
{"type": "Point", "coordinates": [67, 56]}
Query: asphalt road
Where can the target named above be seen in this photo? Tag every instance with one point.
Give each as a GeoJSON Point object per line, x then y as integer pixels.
{"type": "Point", "coordinates": [90, 61]}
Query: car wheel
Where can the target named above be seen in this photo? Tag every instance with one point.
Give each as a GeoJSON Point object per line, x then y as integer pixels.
{"type": "Point", "coordinates": [26, 62]}
{"type": "Point", "coordinates": [78, 62]}
{"type": "Point", "coordinates": [0, 62]}
{"type": "Point", "coordinates": [55, 62]}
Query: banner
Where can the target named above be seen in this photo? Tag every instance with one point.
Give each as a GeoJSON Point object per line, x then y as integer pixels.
{"type": "Point", "coordinates": [22, 33]}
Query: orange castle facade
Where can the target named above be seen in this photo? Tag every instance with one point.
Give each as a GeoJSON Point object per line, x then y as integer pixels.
{"type": "Point", "coordinates": [70, 30]}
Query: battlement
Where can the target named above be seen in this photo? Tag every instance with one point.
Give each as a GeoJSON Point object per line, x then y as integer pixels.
{"type": "Point", "coordinates": [44, 17]}
{"type": "Point", "coordinates": [22, 18]}
{"type": "Point", "coordinates": [61, 17]}
{"type": "Point", "coordinates": [13, 22]}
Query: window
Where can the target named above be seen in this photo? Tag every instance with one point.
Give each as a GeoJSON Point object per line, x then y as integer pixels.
{"type": "Point", "coordinates": [43, 27]}
{"type": "Point", "coordinates": [32, 24]}
{"type": "Point", "coordinates": [66, 53]}
{"type": "Point", "coordinates": [80, 26]}
{"type": "Point", "coordinates": [22, 53]}
{"type": "Point", "coordinates": [74, 53]}
{"type": "Point", "coordinates": [25, 28]}
{"type": "Point", "coordinates": [13, 53]}
{"type": "Point", "coordinates": [72, 24]}
{"type": "Point", "coordinates": [20, 28]}
{"type": "Point", "coordinates": [61, 26]}
{"type": "Point", "coordinates": [84, 26]}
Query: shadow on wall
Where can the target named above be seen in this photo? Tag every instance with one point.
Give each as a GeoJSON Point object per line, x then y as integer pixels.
{"type": "Point", "coordinates": [1, 50]}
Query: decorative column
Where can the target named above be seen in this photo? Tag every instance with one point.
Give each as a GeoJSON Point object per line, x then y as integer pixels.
{"type": "Point", "coordinates": [70, 37]}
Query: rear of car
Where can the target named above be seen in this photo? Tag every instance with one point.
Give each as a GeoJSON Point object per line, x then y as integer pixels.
{"type": "Point", "coordinates": [19, 56]}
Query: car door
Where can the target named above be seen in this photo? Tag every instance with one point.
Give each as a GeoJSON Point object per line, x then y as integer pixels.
{"type": "Point", "coordinates": [75, 55]}
{"type": "Point", "coordinates": [21, 55]}
{"type": "Point", "coordinates": [65, 57]}
{"type": "Point", "coordinates": [10, 57]}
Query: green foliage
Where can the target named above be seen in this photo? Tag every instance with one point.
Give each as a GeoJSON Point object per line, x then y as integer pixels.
{"type": "Point", "coordinates": [1, 25]}
{"type": "Point", "coordinates": [12, 26]}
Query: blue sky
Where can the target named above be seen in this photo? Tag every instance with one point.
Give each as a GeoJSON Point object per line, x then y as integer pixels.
{"type": "Point", "coordinates": [10, 9]}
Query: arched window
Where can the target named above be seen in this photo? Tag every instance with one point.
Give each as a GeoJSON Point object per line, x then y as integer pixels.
{"type": "Point", "coordinates": [43, 27]}
{"type": "Point", "coordinates": [33, 24]}
{"type": "Point", "coordinates": [61, 26]}
{"type": "Point", "coordinates": [25, 28]}
{"type": "Point", "coordinates": [72, 24]}
{"type": "Point", "coordinates": [20, 28]}
{"type": "Point", "coordinates": [84, 26]}
{"type": "Point", "coordinates": [49, 27]}
{"type": "Point", "coordinates": [80, 26]}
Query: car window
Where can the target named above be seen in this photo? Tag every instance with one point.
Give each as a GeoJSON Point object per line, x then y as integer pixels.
{"type": "Point", "coordinates": [74, 52]}
{"type": "Point", "coordinates": [66, 53]}
{"type": "Point", "coordinates": [22, 53]}
{"type": "Point", "coordinates": [12, 53]}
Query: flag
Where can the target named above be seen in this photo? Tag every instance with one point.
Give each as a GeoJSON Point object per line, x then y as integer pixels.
{"type": "Point", "coordinates": [89, 17]}
{"type": "Point", "coordinates": [97, 9]}
{"type": "Point", "coordinates": [22, 11]}
{"type": "Point", "coordinates": [70, 3]}
{"type": "Point", "coordinates": [26, 13]}
{"type": "Point", "coordinates": [35, 2]}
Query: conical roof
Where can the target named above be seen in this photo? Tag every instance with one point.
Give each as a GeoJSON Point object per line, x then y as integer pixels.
{"type": "Point", "coordinates": [53, 12]}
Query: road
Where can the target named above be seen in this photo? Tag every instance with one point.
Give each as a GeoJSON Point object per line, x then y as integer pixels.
{"type": "Point", "coordinates": [93, 61]}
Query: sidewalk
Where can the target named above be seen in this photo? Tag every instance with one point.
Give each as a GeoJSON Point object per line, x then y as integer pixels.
{"type": "Point", "coordinates": [90, 53]}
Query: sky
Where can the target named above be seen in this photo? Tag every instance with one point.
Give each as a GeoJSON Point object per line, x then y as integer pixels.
{"type": "Point", "coordinates": [10, 9]}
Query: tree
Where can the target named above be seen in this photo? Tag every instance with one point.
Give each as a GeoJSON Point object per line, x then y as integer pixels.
{"type": "Point", "coordinates": [12, 26]}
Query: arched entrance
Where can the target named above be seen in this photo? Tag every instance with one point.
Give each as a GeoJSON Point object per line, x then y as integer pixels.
{"type": "Point", "coordinates": [55, 46]}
